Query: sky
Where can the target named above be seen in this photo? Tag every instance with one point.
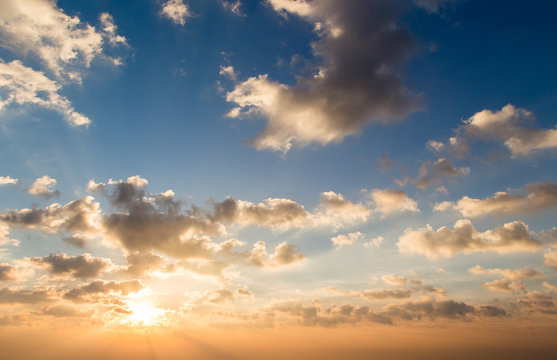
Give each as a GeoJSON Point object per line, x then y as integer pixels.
{"type": "Point", "coordinates": [288, 178]}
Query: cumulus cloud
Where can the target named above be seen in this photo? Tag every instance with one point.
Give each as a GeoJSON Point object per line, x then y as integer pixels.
{"type": "Point", "coordinates": [333, 210]}
{"type": "Point", "coordinates": [80, 216]}
{"type": "Point", "coordinates": [350, 239]}
{"type": "Point", "coordinates": [356, 77]}
{"type": "Point", "coordinates": [432, 173]}
{"type": "Point", "coordinates": [511, 125]}
{"type": "Point", "coordinates": [6, 180]}
{"type": "Point", "coordinates": [176, 11]}
{"type": "Point", "coordinates": [539, 303]}
{"type": "Point", "coordinates": [510, 274]}
{"type": "Point", "coordinates": [391, 201]}
{"type": "Point", "coordinates": [505, 285]}
{"type": "Point", "coordinates": [464, 238]}
{"type": "Point", "coordinates": [284, 254]}
{"type": "Point", "coordinates": [44, 187]}
{"type": "Point", "coordinates": [79, 267]}
{"type": "Point", "coordinates": [394, 280]}
{"type": "Point", "coordinates": [91, 291]}
{"type": "Point", "coordinates": [7, 272]}
{"type": "Point", "coordinates": [375, 242]}
{"type": "Point", "coordinates": [65, 46]}
{"type": "Point", "coordinates": [539, 197]}
{"type": "Point", "coordinates": [12, 296]}
{"type": "Point", "coordinates": [22, 85]}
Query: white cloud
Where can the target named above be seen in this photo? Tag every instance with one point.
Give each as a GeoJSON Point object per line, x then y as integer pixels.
{"type": "Point", "coordinates": [550, 259]}
{"type": "Point", "coordinates": [177, 11]}
{"type": "Point", "coordinates": [44, 187]}
{"type": "Point", "coordinates": [25, 86]}
{"type": "Point", "coordinates": [391, 201]}
{"type": "Point", "coordinates": [341, 241]}
{"type": "Point", "coordinates": [464, 238]}
{"type": "Point", "coordinates": [511, 125]}
{"type": "Point", "coordinates": [539, 197]}
{"type": "Point", "coordinates": [510, 274]}
{"type": "Point", "coordinates": [375, 242]}
{"type": "Point", "coordinates": [5, 180]}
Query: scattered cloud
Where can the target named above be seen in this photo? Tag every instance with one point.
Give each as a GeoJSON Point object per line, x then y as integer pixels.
{"type": "Point", "coordinates": [91, 291]}
{"type": "Point", "coordinates": [232, 6]}
{"type": "Point", "coordinates": [13, 296]}
{"type": "Point", "coordinates": [432, 173]}
{"type": "Point", "coordinates": [176, 11]}
{"type": "Point", "coordinates": [7, 180]}
{"type": "Point", "coordinates": [511, 125]}
{"type": "Point", "coordinates": [539, 197]}
{"type": "Point", "coordinates": [78, 267]}
{"type": "Point", "coordinates": [356, 82]}
{"type": "Point", "coordinates": [44, 187]}
{"type": "Point", "coordinates": [505, 285]}
{"type": "Point", "coordinates": [284, 254]}
{"type": "Point", "coordinates": [550, 259]}
{"type": "Point", "coordinates": [510, 274]}
{"type": "Point", "coordinates": [464, 238]}
{"type": "Point", "coordinates": [391, 201]}
{"type": "Point", "coordinates": [350, 239]}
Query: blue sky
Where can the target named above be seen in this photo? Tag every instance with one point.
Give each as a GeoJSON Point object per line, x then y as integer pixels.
{"type": "Point", "coordinates": [379, 150]}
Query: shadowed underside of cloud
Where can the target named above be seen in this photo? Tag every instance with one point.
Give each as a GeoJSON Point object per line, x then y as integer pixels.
{"type": "Point", "coordinates": [356, 80]}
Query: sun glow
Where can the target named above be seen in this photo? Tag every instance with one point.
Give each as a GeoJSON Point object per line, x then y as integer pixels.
{"type": "Point", "coordinates": [143, 313]}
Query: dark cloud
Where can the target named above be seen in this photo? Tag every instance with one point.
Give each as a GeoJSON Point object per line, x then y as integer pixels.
{"type": "Point", "coordinates": [79, 267]}
{"type": "Point", "coordinates": [89, 292]}
{"type": "Point", "coordinates": [11, 296]}
{"type": "Point", "coordinates": [7, 272]}
{"type": "Point", "coordinates": [356, 78]}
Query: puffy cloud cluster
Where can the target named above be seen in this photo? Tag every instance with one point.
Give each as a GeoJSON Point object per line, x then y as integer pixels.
{"type": "Point", "coordinates": [65, 46]}
{"type": "Point", "coordinates": [92, 291]}
{"type": "Point", "coordinates": [511, 125]}
{"type": "Point", "coordinates": [464, 238]}
{"type": "Point", "coordinates": [390, 201]}
{"type": "Point", "coordinates": [538, 303]}
{"type": "Point", "coordinates": [80, 216]}
{"type": "Point", "coordinates": [44, 187]}
{"type": "Point", "coordinates": [539, 197]}
{"type": "Point", "coordinates": [79, 267]}
{"type": "Point", "coordinates": [7, 272]}
{"type": "Point", "coordinates": [284, 254]}
{"type": "Point", "coordinates": [431, 309]}
{"type": "Point", "coordinates": [356, 76]}
{"type": "Point", "coordinates": [350, 239]}
{"type": "Point", "coordinates": [6, 180]}
{"type": "Point", "coordinates": [176, 11]}
{"type": "Point", "coordinates": [434, 173]}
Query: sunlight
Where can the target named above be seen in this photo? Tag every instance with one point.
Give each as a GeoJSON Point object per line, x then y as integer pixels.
{"type": "Point", "coordinates": [144, 314]}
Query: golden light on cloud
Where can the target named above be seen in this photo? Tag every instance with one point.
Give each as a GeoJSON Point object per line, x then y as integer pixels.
{"type": "Point", "coordinates": [143, 313]}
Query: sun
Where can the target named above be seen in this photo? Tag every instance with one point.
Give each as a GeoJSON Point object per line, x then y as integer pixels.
{"type": "Point", "coordinates": [143, 313]}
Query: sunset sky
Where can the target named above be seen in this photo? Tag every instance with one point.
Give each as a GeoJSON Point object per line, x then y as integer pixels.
{"type": "Point", "coordinates": [278, 179]}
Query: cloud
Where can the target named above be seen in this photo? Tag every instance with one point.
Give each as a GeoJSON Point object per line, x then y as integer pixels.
{"type": "Point", "coordinates": [64, 311]}
{"type": "Point", "coordinates": [176, 11]}
{"type": "Point", "coordinates": [6, 180]}
{"type": "Point", "coordinates": [63, 43]}
{"type": "Point", "coordinates": [7, 272]}
{"type": "Point", "coordinates": [505, 285]}
{"type": "Point", "coordinates": [511, 125]}
{"type": "Point", "coordinates": [90, 292]}
{"type": "Point", "coordinates": [341, 241]}
{"type": "Point", "coordinates": [510, 274]}
{"type": "Point", "coordinates": [80, 216]}
{"type": "Point", "coordinates": [394, 280]}
{"type": "Point", "coordinates": [391, 201]}
{"type": "Point", "coordinates": [232, 6]}
{"type": "Point", "coordinates": [356, 78]}
{"type": "Point", "coordinates": [22, 85]}
{"type": "Point", "coordinates": [284, 214]}
{"type": "Point", "coordinates": [550, 259]}
{"type": "Point", "coordinates": [141, 263]}
{"type": "Point", "coordinates": [537, 302]}
{"type": "Point", "coordinates": [434, 173]}
{"type": "Point", "coordinates": [217, 296]}
{"type": "Point", "coordinates": [11, 296]}
{"type": "Point", "coordinates": [44, 187]}
{"type": "Point", "coordinates": [79, 267]}
{"type": "Point", "coordinates": [464, 238]}
{"type": "Point", "coordinates": [375, 242]}
{"type": "Point", "coordinates": [284, 254]}
{"type": "Point", "coordinates": [539, 197]}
